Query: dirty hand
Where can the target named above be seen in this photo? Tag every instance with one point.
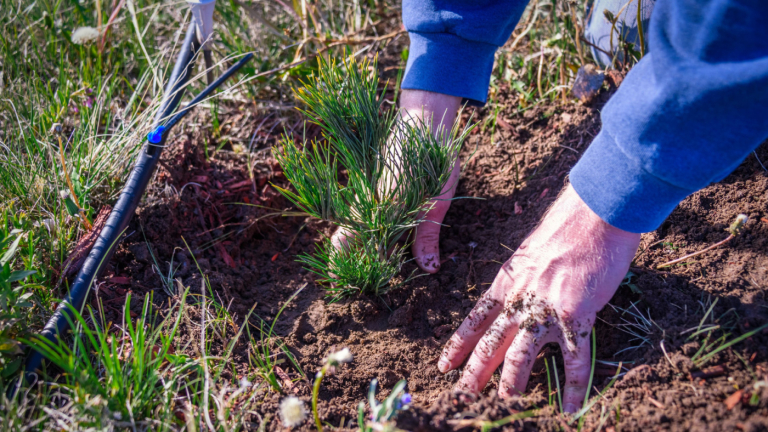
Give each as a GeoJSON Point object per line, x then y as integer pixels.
{"type": "Point", "coordinates": [549, 291]}
{"type": "Point", "coordinates": [442, 109]}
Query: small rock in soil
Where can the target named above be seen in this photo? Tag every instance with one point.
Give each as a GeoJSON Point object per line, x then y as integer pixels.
{"type": "Point", "coordinates": [682, 362]}
{"type": "Point", "coordinates": [362, 310]}
{"type": "Point", "coordinates": [587, 83]}
{"type": "Point", "coordinates": [389, 378]}
{"type": "Point", "coordinates": [637, 376]}
{"type": "Point", "coordinates": [443, 330]}
{"type": "Point", "coordinates": [401, 316]}
{"type": "Point", "coordinates": [140, 252]}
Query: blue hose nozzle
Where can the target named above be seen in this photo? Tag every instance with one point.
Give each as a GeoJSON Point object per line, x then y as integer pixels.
{"type": "Point", "coordinates": [156, 136]}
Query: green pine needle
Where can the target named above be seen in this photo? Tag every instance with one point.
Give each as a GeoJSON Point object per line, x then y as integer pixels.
{"type": "Point", "coordinates": [393, 167]}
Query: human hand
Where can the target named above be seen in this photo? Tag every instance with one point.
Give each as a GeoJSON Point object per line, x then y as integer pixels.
{"type": "Point", "coordinates": [548, 291]}
{"type": "Point", "coordinates": [440, 110]}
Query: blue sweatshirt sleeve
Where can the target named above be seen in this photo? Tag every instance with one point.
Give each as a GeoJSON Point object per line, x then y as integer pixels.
{"type": "Point", "coordinates": [453, 43]}
{"type": "Point", "coordinates": [685, 116]}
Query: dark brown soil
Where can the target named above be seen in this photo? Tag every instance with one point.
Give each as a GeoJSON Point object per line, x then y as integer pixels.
{"type": "Point", "coordinates": [515, 171]}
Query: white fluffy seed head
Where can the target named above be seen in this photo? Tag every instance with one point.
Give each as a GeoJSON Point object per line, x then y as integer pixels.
{"type": "Point", "coordinates": [244, 383]}
{"type": "Point", "coordinates": [340, 357]}
{"type": "Point", "coordinates": [84, 35]}
{"type": "Point", "coordinates": [292, 411]}
{"type": "Point", "coordinates": [738, 224]}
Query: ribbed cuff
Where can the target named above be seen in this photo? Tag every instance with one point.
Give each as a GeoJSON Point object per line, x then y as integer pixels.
{"type": "Point", "coordinates": [448, 64]}
{"type": "Point", "coordinates": [618, 189]}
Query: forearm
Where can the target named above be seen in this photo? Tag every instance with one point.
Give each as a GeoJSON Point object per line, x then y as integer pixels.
{"type": "Point", "coordinates": [685, 116]}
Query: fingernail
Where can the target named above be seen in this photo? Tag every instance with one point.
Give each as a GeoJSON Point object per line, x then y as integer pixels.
{"type": "Point", "coordinates": [570, 408]}
{"type": "Point", "coordinates": [430, 261]}
{"type": "Point", "coordinates": [443, 366]}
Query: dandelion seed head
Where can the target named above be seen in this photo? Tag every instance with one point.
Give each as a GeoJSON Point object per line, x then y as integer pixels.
{"type": "Point", "coordinates": [340, 357]}
{"type": "Point", "coordinates": [244, 383]}
{"type": "Point", "coordinates": [84, 35]}
{"type": "Point", "coordinates": [292, 411]}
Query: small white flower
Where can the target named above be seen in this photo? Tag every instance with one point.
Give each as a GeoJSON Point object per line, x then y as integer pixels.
{"type": "Point", "coordinates": [292, 411]}
{"type": "Point", "coordinates": [84, 35]}
{"type": "Point", "coordinates": [48, 224]}
{"type": "Point", "coordinates": [244, 383]}
{"type": "Point", "coordinates": [117, 415]}
{"type": "Point", "coordinates": [340, 357]}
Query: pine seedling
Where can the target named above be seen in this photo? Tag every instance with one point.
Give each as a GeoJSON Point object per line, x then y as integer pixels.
{"type": "Point", "coordinates": [372, 174]}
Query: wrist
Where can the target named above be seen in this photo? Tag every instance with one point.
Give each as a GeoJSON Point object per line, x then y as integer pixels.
{"type": "Point", "coordinates": [440, 108]}
{"type": "Point", "coordinates": [571, 202]}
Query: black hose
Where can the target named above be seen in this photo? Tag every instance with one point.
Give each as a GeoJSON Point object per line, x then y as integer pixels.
{"type": "Point", "coordinates": [132, 192]}
{"type": "Point", "coordinates": [125, 207]}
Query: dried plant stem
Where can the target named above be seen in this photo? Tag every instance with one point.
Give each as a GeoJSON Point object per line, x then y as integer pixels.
{"type": "Point", "coordinates": [640, 30]}
{"type": "Point", "coordinates": [691, 255]}
{"type": "Point", "coordinates": [563, 90]}
{"type": "Point", "coordinates": [87, 224]}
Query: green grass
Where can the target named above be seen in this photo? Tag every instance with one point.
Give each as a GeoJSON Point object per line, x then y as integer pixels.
{"type": "Point", "coordinates": [541, 59]}
{"type": "Point", "coordinates": [714, 333]}
{"type": "Point", "coordinates": [154, 372]}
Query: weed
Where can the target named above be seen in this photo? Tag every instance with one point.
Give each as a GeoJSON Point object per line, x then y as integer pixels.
{"type": "Point", "coordinates": [261, 358]}
{"type": "Point", "coordinates": [710, 348]}
{"type": "Point", "coordinates": [383, 414]}
{"type": "Point", "coordinates": [137, 376]}
{"type": "Point", "coordinates": [628, 282]}
{"type": "Point", "coordinates": [557, 383]}
{"type": "Point", "coordinates": [393, 168]}
{"type": "Point", "coordinates": [329, 366]}
{"type": "Point", "coordinates": [546, 52]}
{"type": "Point", "coordinates": [638, 325]}
{"type": "Point", "coordinates": [708, 329]}
{"type": "Point", "coordinates": [588, 404]}
{"type": "Point", "coordinates": [14, 301]}
{"type": "Point", "coordinates": [734, 230]}
{"type": "Point", "coordinates": [292, 411]}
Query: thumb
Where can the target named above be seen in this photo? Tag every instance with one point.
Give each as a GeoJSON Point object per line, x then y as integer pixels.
{"type": "Point", "coordinates": [426, 244]}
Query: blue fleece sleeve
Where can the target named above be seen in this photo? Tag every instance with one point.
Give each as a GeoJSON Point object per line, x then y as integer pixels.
{"type": "Point", "coordinates": [453, 43]}
{"type": "Point", "coordinates": [685, 116]}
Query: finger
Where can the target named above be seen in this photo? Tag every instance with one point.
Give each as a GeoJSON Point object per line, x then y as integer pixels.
{"type": "Point", "coordinates": [341, 238]}
{"type": "Point", "coordinates": [519, 360]}
{"type": "Point", "coordinates": [471, 330]}
{"type": "Point", "coordinates": [577, 357]}
{"type": "Point", "coordinates": [489, 353]}
{"type": "Point", "coordinates": [426, 244]}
